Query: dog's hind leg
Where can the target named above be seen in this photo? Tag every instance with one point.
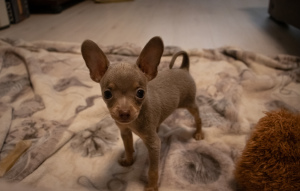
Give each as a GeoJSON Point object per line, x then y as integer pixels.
{"type": "Point", "coordinates": [193, 109]}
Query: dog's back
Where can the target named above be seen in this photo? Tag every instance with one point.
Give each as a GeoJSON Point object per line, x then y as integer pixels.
{"type": "Point", "coordinates": [173, 88]}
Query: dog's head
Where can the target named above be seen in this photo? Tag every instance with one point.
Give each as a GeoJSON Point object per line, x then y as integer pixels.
{"type": "Point", "coordinates": [123, 85]}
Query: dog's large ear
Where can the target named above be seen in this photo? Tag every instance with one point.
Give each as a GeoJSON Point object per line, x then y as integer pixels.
{"type": "Point", "coordinates": [95, 60]}
{"type": "Point", "coordinates": [150, 56]}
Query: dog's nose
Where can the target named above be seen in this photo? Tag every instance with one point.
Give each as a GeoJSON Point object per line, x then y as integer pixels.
{"type": "Point", "coordinates": [124, 114]}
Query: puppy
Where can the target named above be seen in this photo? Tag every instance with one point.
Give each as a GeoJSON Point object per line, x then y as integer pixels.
{"type": "Point", "coordinates": [139, 98]}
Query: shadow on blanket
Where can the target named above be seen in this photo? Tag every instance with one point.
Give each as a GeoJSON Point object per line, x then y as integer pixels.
{"type": "Point", "coordinates": [47, 98]}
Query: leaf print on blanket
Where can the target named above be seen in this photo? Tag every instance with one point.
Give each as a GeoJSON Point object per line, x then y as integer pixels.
{"type": "Point", "coordinates": [29, 107]}
{"type": "Point", "coordinates": [12, 86]}
{"type": "Point", "coordinates": [89, 103]}
{"type": "Point", "coordinates": [65, 83]}
{"type": "Point", "coordinates": [96, 140]}
{"type": "Point", "coordinates": [52, 136]}
{"type": "Point", "coordinates": [193, 165]}
{"type": "Point", "coordinates": [10, 58]}
{"type": "Point", "coordinates": [29, 128]}
{"type": "Point", "coordinates": [197, 167]}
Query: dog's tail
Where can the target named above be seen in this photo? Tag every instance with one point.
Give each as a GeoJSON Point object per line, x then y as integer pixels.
{"type": "Point", "coordinates": [185, 60]}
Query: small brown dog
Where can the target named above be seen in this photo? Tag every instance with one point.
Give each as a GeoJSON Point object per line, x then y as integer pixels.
{"type": "Point", "coordinates": [139, 98]}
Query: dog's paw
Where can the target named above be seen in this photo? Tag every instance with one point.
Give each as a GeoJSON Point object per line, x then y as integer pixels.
{"type": "Point", "coordinates": [125, 162]}
{"type": "Point", "coordinates": [198, 136]}
{"type": "Point", "coordinates": [151, 188]}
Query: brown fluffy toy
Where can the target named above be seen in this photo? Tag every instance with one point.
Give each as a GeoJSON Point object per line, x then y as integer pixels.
{"type": "Point", "coordinates": [271, 158]}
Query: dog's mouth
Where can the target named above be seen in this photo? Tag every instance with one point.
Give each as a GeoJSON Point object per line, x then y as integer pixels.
{"type": "Point", "coordinates": [124, 119]}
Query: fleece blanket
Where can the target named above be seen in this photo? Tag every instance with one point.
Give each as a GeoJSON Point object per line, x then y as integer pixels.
{"type": "Point", "coordinates": [47, 97]}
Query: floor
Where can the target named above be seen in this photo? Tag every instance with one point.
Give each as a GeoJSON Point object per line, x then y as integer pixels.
{"type": "Point", "coordinates": [185, 23]}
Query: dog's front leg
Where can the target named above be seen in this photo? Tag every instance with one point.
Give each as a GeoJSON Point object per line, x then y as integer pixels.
{"type": "Point", "coordinates": [153, 145]}
{"type": "Point", "coordinates": [126, 135]}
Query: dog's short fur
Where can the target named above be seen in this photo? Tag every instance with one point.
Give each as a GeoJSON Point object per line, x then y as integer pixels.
{"type": "Point", "coordinates": [139, 98]}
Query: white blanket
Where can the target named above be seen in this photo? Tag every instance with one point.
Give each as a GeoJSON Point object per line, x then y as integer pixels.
{"type": "Point", "coordinates": [46, 96]}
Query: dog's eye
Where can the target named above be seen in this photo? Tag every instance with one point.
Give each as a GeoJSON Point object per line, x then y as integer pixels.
{"type": "Point", "coordinates": [140, 93]}
{"type": "Point", "coordinates": [107, 94]}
